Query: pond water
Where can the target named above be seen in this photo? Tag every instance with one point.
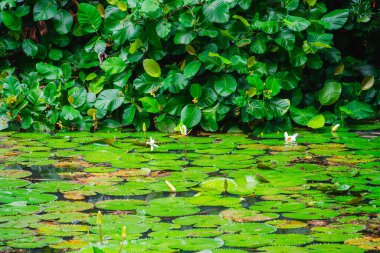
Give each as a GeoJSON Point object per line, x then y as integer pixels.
{"type": "Point", "coordinates": [230, 193]}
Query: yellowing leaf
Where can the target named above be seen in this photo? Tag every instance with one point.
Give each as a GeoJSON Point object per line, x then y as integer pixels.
{"type": "Point", "coordinates": [190, 49]}
{"type": "Point", "coordinates": [243, 20]}
{"type": "Point", "coordinates": [122, 6]}
{"type": "Point", "coordinates": [311, 3]}
{"type": "Point", "coordinates": [100, 10]}
{"type": "Point", "coordinates": [71, 99]}
{"type": "Point", "coordinates": [316, 122]}
{"type": "Point", "coordinates": [368, 82]}
{"type": "Point", "coordinates": [135, 45]}
{"type": "Point", "coordinates": [152, 68]}
{"type": "Point", "coordinates": [339, 70]}
{"type": "Point", "coordinates": [251, 61]}
{"type": "Point", "coordinates": [224, 60]}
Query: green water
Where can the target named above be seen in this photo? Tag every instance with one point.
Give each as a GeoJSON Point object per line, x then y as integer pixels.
{"type": "Point", "coordinates": [233, 193]}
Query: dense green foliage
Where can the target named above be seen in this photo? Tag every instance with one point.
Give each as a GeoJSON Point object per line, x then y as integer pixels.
{"type": "Point", "coordinates": [214, 63]}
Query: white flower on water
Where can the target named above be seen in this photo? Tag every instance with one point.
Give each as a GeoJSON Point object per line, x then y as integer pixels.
{"type": "Point", "coordinates": [4, 119]}
{"type": "Point", "coordinates": [290, 138]}
{"type": "Point", "coordinates": [334, 128]}
{"type": "Point", "coordinates": [184, 130]}
{"type": "Point", "coordinates": [151, 144]}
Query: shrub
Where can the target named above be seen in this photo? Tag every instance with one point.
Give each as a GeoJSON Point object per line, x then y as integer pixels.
{"type": "Point", "coordinates": [262, 64]}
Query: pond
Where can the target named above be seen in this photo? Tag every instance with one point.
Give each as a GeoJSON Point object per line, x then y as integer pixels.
{"type": "Point", "coordinates": [228, 193]}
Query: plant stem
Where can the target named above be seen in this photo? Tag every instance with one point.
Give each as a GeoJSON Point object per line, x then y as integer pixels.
{"type": "Point", "coordinates": [185, 147]}
{"type": "Point", "coordinates": [121, 246]}
{"type": "Point", "coordinates": [100, 234]}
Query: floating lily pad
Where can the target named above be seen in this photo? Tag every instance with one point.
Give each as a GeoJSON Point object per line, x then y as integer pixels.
{"type": "Point", "coordinates": [33, 242]}
{"type": "Point", "coordinates": [186, 233]}
{"type": "Point", "coordinates": [367, 242]}
{"type": "Point", "coordinates": [287, 224]}
{"type": "Point", "coordinates": [14, 173]}
{"type": "Point", "coordinates": [120, 204]}
{"type": "Point", "coordinates": [67, 206]}
{"type": "Point", "coordinates": [247, 228]}
{"type": "Point", "coordinates": [283, 249]}
{"type": "Point", "coordinates": [289, 239]}
{"type": "Point", "coordinates": [62, 230]}
{"type": "Point", "coordinates": [277, 206]}
{"type": "Point", "coordinates": [334, 237]}
{"type": "Point", "coordinates": [244, 215]}
{"type": "Point", "coordinates": [214, 200]}
{"type": "Point", "coordinates": [245, 240]}
{"type": "Point", "coordinates": [56, 186]}
{"type": "Point", "coordinates": [18, 208]}
{"type": "Point", "coordinates": [312, 214]}
{"type": "Point", "coordinates": [341, 248]}
{"type": "Point", "coordinates": [166, 207]}
{"type": "Point", "coordinates": [7, 234]}
{"type": "Point", "coordinates": [26, 195]}
{"type": "Point", "coordinates": [10, 183]}
{"type": "Point", "coordinates": [201, 221]}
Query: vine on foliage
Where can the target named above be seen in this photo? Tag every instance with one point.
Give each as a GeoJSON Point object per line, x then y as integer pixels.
{"type": "Point", "coordinates": [74, 64]}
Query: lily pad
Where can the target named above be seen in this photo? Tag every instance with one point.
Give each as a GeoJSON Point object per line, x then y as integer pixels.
{"type": "Point", "coordinates": [341, 248]}
{"type": "Point", "coordinates": [312, 214]}
{"type": "Point", "coordinates": [120, 204]}
{"type": "Point", "coordinates": [244, 215]}
{"type": "Point", "coordinates": [245, 240]}
{"type": "Point", "coordinates": [167, 207]}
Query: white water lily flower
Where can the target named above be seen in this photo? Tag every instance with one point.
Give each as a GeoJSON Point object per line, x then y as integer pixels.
{"type": "Point", "coordinates": [4, 119]}
{"type": "Point", "coordinates": [290, 138]}
{"type": "Point", "coordinates": [184, 130]}
{"type": "Point", "coordinates": [334, 128]}
{"type": "Point", "coordinates": [151, 144]}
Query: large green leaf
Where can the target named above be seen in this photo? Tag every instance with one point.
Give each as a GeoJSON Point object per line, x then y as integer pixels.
{"type": "Point", "coordinates": [272, 85]}
{"type": "Point", "coordinates": [30, 47]}
{"type": "Point", "coordinates": [44, 9]}
{"type": "Point", "coordinates": [152, 68]}
{"type": "Point", "coordinates": [89, 18]}
{"type": "Point", "coordinates": [287, 80]}
{"type": "Point", "coordinates": [109, 100]}
{"type": "Point", "coordinates": [277, 107]}
{"type": "Point", "coordinates": [297, 57]}
{"type": "Point", "coordinates": [11, 21]}
{"type": "Point", "coordinates": [216, 11]}
{"type": "Point", "coordinates": [192, 68]}
{"type": "Point", "coordinates": [296, 23]}
{"type": "Point", "coordinates": [185, 37]}
{"type": "Point", "coordinates": [113, 65]}
{"type": "Point", "coordinates": [149, 6]}
{"type": "Point", "coordinates": [256, 108]}
{"type": "Point", "coordinates": [258, 45]}
{"type": "Point", "coordinates": [97, 85]}
{"type": "Point", "coordinates": [330, 93]}
{"type": "Point", "coordinates": [225, 85]}
{"type": "Point", "coordinates": [358, 110]}
{"type": "Point", "coordinates": [62, 21]}
{"type": "Point", "coordinates": [290, 5]}
{"type": "Point", "coordinates": [69, 113]}
{"type": "Point", "coordinates": [303, 116]}
{"type": "Point", "coordinates": [49, 71]}
{"type": "Point", "coordinates": [191, 115]}
{"type": "Point", "coordinates": [150, 104]}
{"type": "Point", "coordinates": [286, 39]}
{"type": "Point", "coordinates": [163, 28]}
{"type": "Point", "coordinates": [336, 19]}
{"type": "Point", "coordinates": [316, 122]}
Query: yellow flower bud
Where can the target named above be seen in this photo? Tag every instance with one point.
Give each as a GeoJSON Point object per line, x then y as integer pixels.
{"type": "Point", "coordinates": [99, 218]}
{"type": "Point", "coordinates": [124, 232]}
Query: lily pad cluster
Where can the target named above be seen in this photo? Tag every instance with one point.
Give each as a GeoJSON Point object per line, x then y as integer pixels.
{"type": "Point", "coordinates": [231, 193]}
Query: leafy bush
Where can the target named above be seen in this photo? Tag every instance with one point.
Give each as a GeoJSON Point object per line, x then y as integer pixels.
{"type": "Point", "coordinates": [215, 63]}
